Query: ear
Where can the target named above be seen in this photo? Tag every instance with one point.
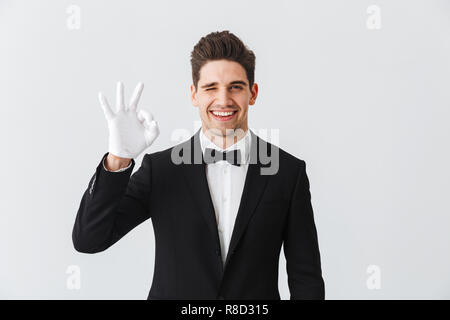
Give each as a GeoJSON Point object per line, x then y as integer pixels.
{"type": "Point", "coordinates": [254, 93]}
{"type": "Point", "coordinates": [194, 96]}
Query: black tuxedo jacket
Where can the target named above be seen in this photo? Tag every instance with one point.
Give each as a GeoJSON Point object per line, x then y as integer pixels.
{"type": "Point", "coordinates": [274, 210]}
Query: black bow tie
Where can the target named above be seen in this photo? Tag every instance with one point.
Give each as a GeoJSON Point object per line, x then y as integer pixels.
{"type": "Point", "coordinates": [213, 155]}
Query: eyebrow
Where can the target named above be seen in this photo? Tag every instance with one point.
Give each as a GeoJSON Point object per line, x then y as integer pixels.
{"type": "Point", "coordinates": [233, 82]}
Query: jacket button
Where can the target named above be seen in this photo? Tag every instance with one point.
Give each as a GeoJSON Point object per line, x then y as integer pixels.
{"type": "Point", "coordinates": [218, 252]}
{"type": "Point", "coordinates": [221, 298]}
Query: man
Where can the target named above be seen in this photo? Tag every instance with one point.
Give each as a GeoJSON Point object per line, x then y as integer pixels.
{"type": "Point", "coordinates": [222, 203]}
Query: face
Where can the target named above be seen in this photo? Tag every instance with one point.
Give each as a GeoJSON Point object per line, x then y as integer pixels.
{"type": "Point", "coordinates": [223, 96]}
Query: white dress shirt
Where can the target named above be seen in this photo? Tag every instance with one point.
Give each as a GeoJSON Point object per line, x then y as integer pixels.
{"type": "Point", "coordinates": [226, 183]}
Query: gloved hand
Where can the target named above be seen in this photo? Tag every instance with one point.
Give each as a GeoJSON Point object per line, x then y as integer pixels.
{"type": "Point", "coordinates": [130, 131]}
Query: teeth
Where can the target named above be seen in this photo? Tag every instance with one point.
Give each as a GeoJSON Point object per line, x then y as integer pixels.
{"type": "Point", "coordinates": [222, 114]}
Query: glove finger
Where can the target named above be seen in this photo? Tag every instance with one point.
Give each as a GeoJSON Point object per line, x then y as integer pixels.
{"type": "Point", "coordinates": [120, 102]}
{"type": "Point", "coordinates": [151, 132]}
{"type": "Point", "coordinates": [105, 106]}
{"type": "Point", "coordinates": [136, 96]}
{"type": "Point", "coordinates": [153, 126]}
{"type": "Point", "coordinates": [139, 116]}
{"type": "Point", "coordinates": [146, 116]}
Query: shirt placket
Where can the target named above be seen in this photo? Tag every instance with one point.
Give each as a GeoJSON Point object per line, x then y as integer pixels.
{"type": "Point", "coordinates": [226, 199]}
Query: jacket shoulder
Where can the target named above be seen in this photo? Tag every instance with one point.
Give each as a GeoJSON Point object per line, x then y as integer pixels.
{"type": "Point", "coordinates": [286, 159]}
{"type": "Point", "coordinates": [163, 155]}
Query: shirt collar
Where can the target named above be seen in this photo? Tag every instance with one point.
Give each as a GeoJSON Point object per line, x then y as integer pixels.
{"type": "Point", "coordinates": [243, 145]}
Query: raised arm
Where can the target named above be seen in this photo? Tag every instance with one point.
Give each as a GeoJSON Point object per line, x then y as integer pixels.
{"type": "Point", "coordinates": [116, 201]}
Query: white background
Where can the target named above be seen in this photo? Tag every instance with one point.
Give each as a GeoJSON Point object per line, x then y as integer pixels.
{"type": "Point", "coordinates": [368, 110]}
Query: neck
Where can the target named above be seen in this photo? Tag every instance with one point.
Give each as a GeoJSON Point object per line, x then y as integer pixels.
{"type": "Point", "coordinates": [224, 141]}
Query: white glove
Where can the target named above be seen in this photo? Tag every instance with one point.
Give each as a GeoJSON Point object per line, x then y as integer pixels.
{"type": "Point", "coordinates": [130, 132]}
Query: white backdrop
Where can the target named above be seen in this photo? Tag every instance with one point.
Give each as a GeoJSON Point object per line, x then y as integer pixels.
{"type": "Point", "coordinates": [358, 89]}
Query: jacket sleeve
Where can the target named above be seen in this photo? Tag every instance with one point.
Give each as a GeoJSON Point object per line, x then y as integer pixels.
{"type": "Point", "coordinates": [301, 246]}
{"type": "Point", "coordinates": [119, 170]}
{"type": "Point", "coordinates": [112, 205]}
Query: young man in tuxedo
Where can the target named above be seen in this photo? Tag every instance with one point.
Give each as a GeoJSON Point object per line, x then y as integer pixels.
{"type": "Point", "coordinates": [222, 203]}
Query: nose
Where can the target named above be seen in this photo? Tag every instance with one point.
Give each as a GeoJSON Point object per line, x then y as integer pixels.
{"type": "Point", "coordinates": [223, 98]}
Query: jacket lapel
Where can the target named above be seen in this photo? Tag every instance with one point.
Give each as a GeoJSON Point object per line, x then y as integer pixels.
{"type": "Point", "coordinates": [195, 174]}
{"type": "Point", "coordinates": [255, 183]}
{"type": "Point", "coordinates": [254, 186]}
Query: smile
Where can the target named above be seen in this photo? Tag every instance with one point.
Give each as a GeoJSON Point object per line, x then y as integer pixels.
{"type": "Point", "coordinates": [223, 115]}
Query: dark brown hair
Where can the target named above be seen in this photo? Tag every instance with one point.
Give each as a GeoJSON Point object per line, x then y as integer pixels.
{"type": "Point", "coordinates": [218, 46]}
